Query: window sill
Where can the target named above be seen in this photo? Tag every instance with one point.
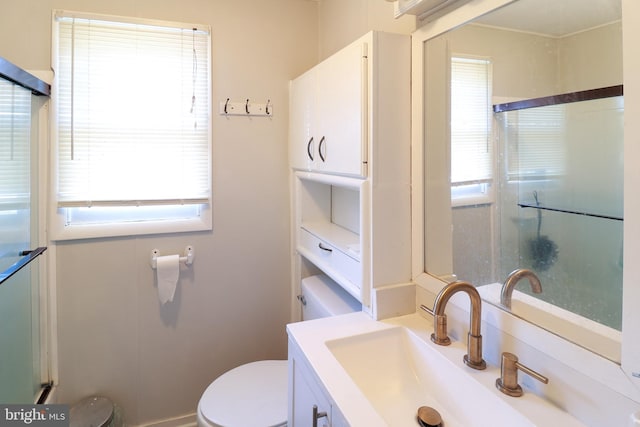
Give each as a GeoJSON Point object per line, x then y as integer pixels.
{"type": "Point", "coordinates": [62, 232]}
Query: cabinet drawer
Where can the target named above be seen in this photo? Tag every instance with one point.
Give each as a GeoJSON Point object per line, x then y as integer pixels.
{"type": "Point", "coordinates": [336, 263]}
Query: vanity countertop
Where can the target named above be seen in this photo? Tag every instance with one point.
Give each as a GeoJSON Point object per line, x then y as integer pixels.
{"type": "Point", "coordinates": [312, 336]}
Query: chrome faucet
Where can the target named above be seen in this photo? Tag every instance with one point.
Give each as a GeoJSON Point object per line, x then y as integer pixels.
{"type": "Point", "coordinates": [513, 279]}
{"type": "Point", "coordinates": [473, 358]}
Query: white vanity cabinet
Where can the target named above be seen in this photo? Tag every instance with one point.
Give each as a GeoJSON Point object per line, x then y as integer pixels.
{"type": "Point", "coordinates": [349, 154]}
{"type": "Point", "coordinates": [305, 392]}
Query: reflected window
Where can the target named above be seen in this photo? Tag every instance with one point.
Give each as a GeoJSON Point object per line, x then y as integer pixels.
{"type": "Point", "coordinates": [471, 142]}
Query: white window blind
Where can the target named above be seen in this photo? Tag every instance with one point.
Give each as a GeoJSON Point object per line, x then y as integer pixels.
{"type": "Point", "coordinates": [535, 142]}
{"type": "Point", "coordinates": [471, 147]}
{"type": "Point", "coordinates": [132, 104]}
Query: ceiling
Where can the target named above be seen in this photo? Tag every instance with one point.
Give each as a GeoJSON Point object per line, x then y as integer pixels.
{"type": "Point", "coordinates": [555, 18]}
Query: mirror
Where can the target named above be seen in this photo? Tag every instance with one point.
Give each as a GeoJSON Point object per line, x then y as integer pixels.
{"type": "Point", "coordinates": [538, 186]}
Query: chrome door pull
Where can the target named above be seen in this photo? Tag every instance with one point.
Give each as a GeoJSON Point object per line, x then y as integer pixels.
{"type": "Point", "coordinates": [317, 415]}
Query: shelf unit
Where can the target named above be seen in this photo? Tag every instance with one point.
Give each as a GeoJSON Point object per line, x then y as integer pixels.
{"type": "Point", "coordinates": [329, 230]}
{"type": "Point", "coordinates": [351, 221]}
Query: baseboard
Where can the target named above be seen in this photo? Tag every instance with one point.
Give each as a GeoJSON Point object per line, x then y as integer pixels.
{"type": "Point", "coordinates": [189, 420]}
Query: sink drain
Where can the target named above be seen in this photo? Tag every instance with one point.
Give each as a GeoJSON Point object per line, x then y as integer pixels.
{"type": "Point", "coordinates": [429, 417]}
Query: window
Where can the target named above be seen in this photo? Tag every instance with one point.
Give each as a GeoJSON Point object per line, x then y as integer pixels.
{"type": "Point", "coordinates": [132, 138]}
{"type": "Point", "coordinates": [471, 142]}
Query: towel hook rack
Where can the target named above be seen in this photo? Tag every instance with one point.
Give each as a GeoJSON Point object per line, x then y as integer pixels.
{"type": "Point", "coordinates": [228, 107]}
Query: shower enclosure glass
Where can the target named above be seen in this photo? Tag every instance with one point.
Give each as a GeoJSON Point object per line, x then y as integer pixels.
{"type": "Point", "coordinates": [560, 202]}
{"type": "Point", "coordinates": [21, 375]}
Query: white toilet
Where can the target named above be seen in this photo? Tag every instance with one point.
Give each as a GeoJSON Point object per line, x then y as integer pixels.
{"type": "Point", "coordinates": [255, 394]}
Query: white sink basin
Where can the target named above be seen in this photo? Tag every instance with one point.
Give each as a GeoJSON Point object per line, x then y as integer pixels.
{"type": "Point", "coordinates": [398, 372]}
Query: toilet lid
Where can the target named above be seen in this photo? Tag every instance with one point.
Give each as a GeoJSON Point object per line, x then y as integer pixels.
{"type": "Point", "coordinates": [250, 395]}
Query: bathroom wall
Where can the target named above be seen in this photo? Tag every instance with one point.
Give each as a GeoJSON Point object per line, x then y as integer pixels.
{"type": "Point", "coordinates": [232, 305]}
{"type": "Point", "coordinates": [598, 42]}
{"type": "Point", "coordinates": [341, 22]}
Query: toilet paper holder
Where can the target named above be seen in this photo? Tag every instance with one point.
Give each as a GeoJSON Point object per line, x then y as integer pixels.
{"type": "Point", "coordinates": [189, 254]}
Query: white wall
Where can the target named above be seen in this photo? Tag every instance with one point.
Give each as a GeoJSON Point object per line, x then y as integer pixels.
{"type": "Point", "coordinates": [341, 22]}
{"type": "Point", "coordinates": [578, 70]}
{"type": "Point", "coordinates": [232, 305]}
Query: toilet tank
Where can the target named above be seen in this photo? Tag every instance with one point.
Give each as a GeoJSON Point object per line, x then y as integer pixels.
{"type": "Point", "coordinates": [322, 297]}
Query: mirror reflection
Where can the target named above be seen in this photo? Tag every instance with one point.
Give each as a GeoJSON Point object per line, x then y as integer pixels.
{"type": "Point", "coordinates": [524, 163]}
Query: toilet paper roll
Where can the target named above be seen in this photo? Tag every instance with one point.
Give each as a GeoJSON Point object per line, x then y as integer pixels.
{"type": "Point", "coordinates": [167, 273]}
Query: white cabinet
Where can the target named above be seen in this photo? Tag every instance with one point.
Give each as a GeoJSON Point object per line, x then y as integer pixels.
{"type": "Point", "coordinates": [329, 106]}
{"type": "Point", "coordinates": [302, 112]}
{"type": "Point", "coordinates": [307, 398]}
{"type": "Point", "coordinates": [350, 159]}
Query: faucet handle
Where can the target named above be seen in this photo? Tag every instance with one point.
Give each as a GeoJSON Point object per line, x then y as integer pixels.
{"type": "Point", "coordinates": [508, 381]}
{"type": "Point", "coordinates": [439, 336]}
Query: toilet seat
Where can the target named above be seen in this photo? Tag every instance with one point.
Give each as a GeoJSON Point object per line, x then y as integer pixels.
{"type": "Point", "coordinates": [250, 395]}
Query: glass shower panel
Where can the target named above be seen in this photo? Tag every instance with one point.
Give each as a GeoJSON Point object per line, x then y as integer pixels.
{"type": "Point", "coordinates": [562, 203]}
{"type": "Point", "coordinates": [19, 322]}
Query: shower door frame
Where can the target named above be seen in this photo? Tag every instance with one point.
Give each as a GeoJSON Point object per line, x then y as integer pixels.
{"type": "Point", "coordinates": [42, 332]}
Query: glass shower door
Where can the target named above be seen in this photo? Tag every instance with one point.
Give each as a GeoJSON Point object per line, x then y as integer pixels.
{"type": "Point", "coordinates": [562, 201]}
{"type": "Point", "coordinates": [19, 313]}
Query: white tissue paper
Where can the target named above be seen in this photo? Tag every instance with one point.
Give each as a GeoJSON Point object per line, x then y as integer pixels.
{"type": "Point", "coordinates": [167, 273]}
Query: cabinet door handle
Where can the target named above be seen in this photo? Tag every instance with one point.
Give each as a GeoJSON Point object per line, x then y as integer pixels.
{"type": "Point", "coordinates": [317, 415]}
{"type": "Point", "coordinates": [324, 248]}
{"type": "Point", "coordinates": [320, 145]}
{"type": "Point", "coordinates": [309, 152]}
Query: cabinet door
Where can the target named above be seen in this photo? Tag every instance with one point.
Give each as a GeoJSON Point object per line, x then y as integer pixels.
{"type": "Point", "coordinates": [306, 394]}
{"type": "Point", "coordinates": [302, 141]}
{"type": "Point", "coordinates": [342, 112]}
